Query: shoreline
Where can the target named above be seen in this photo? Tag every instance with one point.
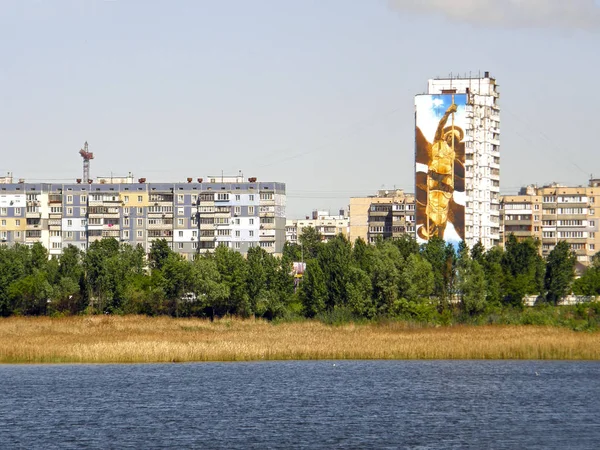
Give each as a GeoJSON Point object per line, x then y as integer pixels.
{"type": "Point", "coordinates": [141, 339]}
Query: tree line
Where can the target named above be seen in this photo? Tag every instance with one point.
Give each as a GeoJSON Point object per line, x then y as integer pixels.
{"type": "Point", "coordinates": [389, 279]}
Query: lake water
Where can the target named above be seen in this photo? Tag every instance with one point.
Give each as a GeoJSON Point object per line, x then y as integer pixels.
{"type": "Point", "coordinates": [324, 404]}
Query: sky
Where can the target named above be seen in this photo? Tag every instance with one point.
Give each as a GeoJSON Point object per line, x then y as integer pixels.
{"type": "Point", "coordinates": [318, 94]}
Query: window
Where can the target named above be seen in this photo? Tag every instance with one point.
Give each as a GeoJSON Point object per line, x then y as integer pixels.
{"type": "Point", "coordinates": [17, 223]}
{"type": "Point", "coordinates": [17, 211]}
{"type": "Point", "coordinates": [222, 196]}
{"type": "Point", "coordinates": [237, 221]}
{"type": "Point", "coordinates": [140, 222]}
{"type": "Point", "coordinates": [69, 211]}
{"type": "Point", "coordinates": [250, 210]}
{"type": "Point", "coordinates": [3, 222]}
{"type": "Point", "coordinates": [266, 196]}
{"type": "Point", "coordinates": [237, 210]}
{"type": "Point", "coordinates": [69, 235]}
{"type": "Point", "coordinates": [140, 198]}
{"type": "Point", "coordinates": [251, 233]}
{"type": "Point", "coordinates": [140, 211]}
{"type": "Point", "coordinates": [17, 234]}
{"type": "Point", "coordinates": [126, 222]}
{"type": "Point", "coordinates": [83, 199]}
{"type": "Point", "coordinates": [126, 199]}
{"type": "Point", "coordinates": [140, 233]}
{"type": "Point", "coordinates": [251, 221]}
{"type": "Point", "coordinates": [125, 234]}
{"type": "Point", "coordinates": [82, 211]}
{"type": "Point", "coordinates": [180, 211]}
{"type": "Point", "coordinates": [181, 234]}
{"type": "Point", "coordinates": [69, 223]}
{"type": "Point", "coordinates": [180, 222]}
{"type": "Point", "coordinates": [180, 245]}
{"type": "Point", "coordinates": [238, 245]}
{"type": "Point", "coordinates": [56, 245]}
{"type": "Point", "coordinates": [251, 197]}
{"type": "Point", "coordinates": [82, 235]}
{"type": "Point", "coordinates": [237, 197]}
{"type": "Point", "coordinates": [237, 233]}
{"type": "Point", "coordinates": [180, 198]}
{"type": "Point", "coordinates": [195, 233]}
{"type": "Point", "coordinates": [592, 246]}
{"type": "Point", "coordinates": [69, 199]}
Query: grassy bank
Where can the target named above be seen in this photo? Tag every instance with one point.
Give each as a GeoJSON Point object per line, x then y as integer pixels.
{"type": "Point", "coordinates": [115, 339]}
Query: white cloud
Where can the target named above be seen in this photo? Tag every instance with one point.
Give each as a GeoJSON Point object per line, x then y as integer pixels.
{"type": "Point", "coordinates": [567, 14]}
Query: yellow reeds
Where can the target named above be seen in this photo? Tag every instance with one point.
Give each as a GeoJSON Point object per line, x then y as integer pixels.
{"type": "Point", "coordinates": [129, 339]}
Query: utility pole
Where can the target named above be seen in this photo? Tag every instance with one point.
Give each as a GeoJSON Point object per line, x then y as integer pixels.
{"type": "Point", "coordinates": [198, 219]}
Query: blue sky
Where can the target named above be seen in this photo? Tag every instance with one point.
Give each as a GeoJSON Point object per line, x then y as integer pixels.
{"type": "Point", "coordinates": [315, 93]}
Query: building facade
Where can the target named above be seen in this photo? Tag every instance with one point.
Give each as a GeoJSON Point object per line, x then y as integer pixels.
{"type": "Point", "coordinates": [457, 160]}
{"type": "Point", "coordinates": [326, 224]}
{"type": "Point", "coordinates": [555, 213]}
{"type": "Point", "coordinates": [385, 215]}
{"type": "Point", "coordinates": [234, 213]}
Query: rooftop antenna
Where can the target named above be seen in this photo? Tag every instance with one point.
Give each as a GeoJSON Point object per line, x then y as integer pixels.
{"type": "Point", "coordinates": [87, 156]}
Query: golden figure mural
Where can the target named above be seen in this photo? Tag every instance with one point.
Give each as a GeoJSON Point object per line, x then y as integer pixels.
{"type": "Point", "coordinates": [445, 175]}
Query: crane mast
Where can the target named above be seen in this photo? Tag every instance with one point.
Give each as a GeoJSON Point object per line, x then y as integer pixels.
{"type": "Point", "coordinates": [87, 156]}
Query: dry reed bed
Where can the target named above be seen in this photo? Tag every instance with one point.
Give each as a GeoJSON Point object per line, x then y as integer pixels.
{"type": "Point", "coordinates": [113, 339]}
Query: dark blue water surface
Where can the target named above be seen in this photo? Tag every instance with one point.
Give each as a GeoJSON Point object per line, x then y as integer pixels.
{"type": "Point", "coordinates": [325, 404]}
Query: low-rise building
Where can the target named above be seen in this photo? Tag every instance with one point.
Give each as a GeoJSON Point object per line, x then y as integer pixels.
{"type": "Point", "coordinates": [326, 224]}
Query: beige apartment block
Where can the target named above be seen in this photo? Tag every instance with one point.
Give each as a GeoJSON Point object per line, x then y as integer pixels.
{"type": "Point", "coordinates": [384, 215]}
{"type": "Point", "coordinates": [326, 224]}
{"type": "Point", "coordinates": [555, 213]}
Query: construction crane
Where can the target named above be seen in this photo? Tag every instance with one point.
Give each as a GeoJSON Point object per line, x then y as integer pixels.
{"type": "Point", "coordinates": [86, 162]}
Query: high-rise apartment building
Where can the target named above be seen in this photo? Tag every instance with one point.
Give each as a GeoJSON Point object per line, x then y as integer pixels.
{"type": "Point", "coordinates": [457, 155]}
{"type": "Point", "coordinates": [555, 213]}
{"type": "Point", "coordinates": [389, 214]}
{"type": "Point", "coordinates": [233, 212]}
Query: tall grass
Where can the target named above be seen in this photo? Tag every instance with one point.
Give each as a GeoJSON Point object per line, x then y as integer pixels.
{"type": "Point", "coordinates": [140, 339]}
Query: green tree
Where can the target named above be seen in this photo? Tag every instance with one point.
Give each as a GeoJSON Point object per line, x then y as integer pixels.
{"type": "Point", "coordinates": [159, 254]}
{"type": "Point", "coordinates": [385, 279]}
{"type": "Point", "coordinates": [478, 252]}
{"type": "Point", "coordinates": [313, 290]}
{"type": "Point", "coordinates": [523, 269]}
{"type": "Point", "coordinates": [472, 287]}
{"type": "Point", "coordinates": [31, 294]}
{"type": "Point", "coordinates": [407, 245]}
{"type": "Point", "coordinates": [363, 255]}
{"type": "Point", "coordinates": [417, 281]}
{"type": "Point", "coordinates": [334, 259]}
{"type": "Point", "coordinates": [560, 272]}
{"type": "Point", "coordinates": [311, 242]}
{"type": "Point", "coordinates": [234, 272]}
{"type": "Point", "coordinates": [494, 275]}
{"type": "Point", "coordinates": [360, 300]}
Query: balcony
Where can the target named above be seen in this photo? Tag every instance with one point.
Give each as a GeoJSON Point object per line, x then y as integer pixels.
{"type": "Point", "coordinates": [33, 215]}
{"type": "Point", "coordinates": [160, 226]}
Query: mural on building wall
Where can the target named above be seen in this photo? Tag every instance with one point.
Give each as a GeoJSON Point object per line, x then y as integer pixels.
{"type": "Point", "coordinates": [440, 172]}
